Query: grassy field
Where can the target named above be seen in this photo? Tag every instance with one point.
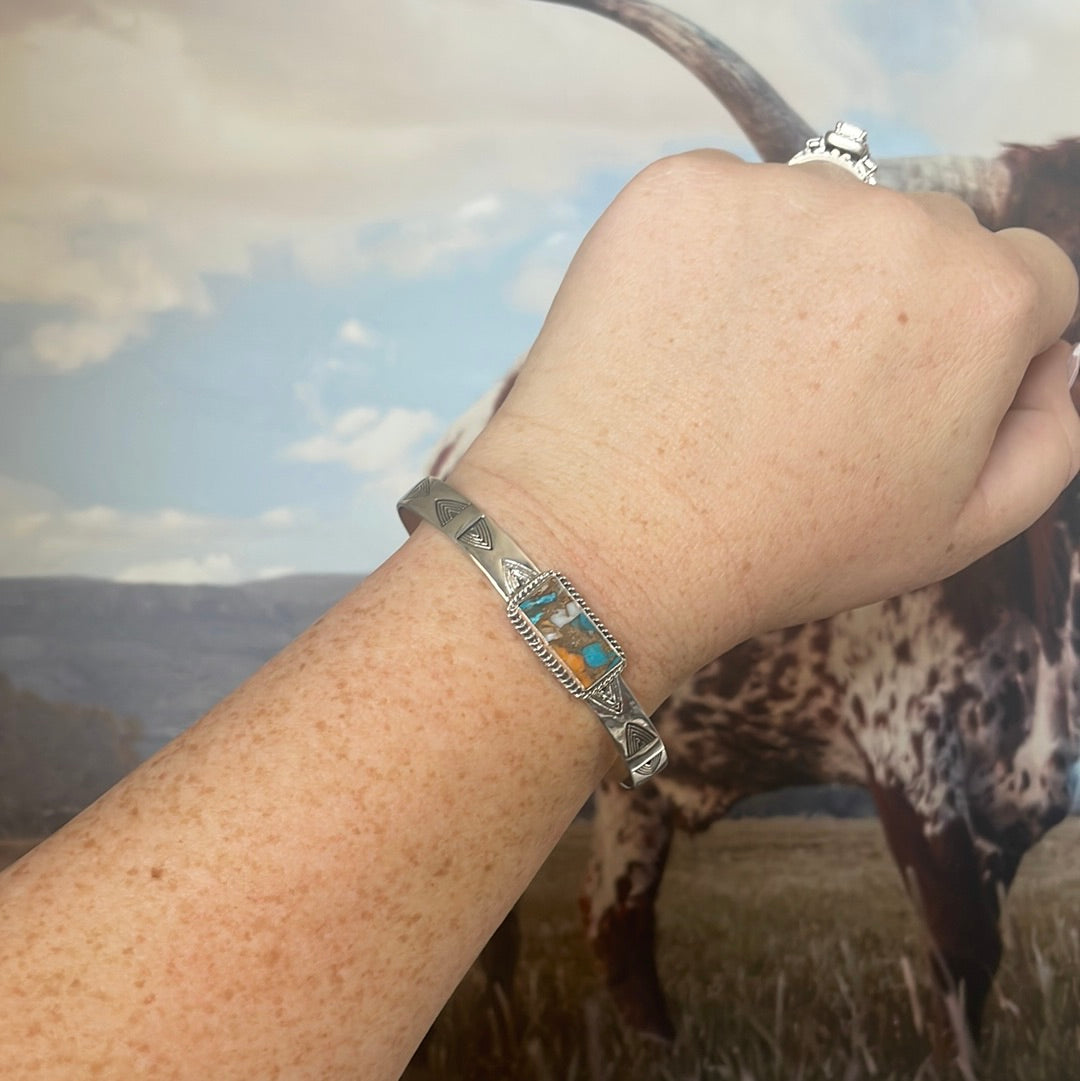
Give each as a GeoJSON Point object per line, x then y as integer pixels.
{"type": "Point", "coordinates": [790, 953]}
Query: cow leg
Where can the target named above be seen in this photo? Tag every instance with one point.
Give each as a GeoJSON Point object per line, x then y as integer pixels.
{"type": "Point", "coordinates": [499, 957]}
{"type": "Point", "coordinates": [498, 961]}
{"type": "Point", "coordinates": [942, 864]}
{"type": "Point", "coordinates": [631, 839]}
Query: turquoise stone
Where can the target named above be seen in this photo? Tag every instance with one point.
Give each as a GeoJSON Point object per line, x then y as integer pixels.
{"type": "Point", "coordinates": [568, 633]}
{"type": "Point", "coordinates": [596, 655]}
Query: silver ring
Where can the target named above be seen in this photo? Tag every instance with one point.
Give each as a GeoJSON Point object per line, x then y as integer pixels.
{"type": "Point", "coordinates": [845, 146]}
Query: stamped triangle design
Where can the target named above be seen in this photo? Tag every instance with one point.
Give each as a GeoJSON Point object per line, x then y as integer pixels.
{"type": "Point", "coordinates": [636, 739]}
{"type": "Point", "coordinates": [448, 509]}
{"type": "Point", "coordinates": [516, 574]}
{"type": "Point", "coordinates": [478, 535]}
{"type": "Point", "coordinates": [651, 765]}
{"type": "Point", "coordinates": [422, 487]}
{"type": "Point", "coordinates": [608, 697]}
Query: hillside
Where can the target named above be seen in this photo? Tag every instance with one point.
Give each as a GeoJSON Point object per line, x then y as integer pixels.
{"type": "Point", "coordinates": [164, 654]}
{"type": "Point", "coordinates": [56, 758]}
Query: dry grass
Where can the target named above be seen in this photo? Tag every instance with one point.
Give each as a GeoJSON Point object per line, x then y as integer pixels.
{"type": "Point", "coordinates": [13, 849]}
{"type": "Point", "coordinates": [790, 953]}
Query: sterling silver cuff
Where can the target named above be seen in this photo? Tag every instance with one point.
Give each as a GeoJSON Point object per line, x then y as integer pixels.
{"type": "Point", "coordinates": [553, 619]}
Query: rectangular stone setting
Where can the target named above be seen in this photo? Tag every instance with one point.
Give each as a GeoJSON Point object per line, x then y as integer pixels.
{"type": "Point", "coordinates": [557, 623]}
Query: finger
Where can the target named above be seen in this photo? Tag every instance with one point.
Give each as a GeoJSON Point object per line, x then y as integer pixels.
{"type": "Point", "coordinates": [712, 154]}
{"type": "Point", "coordinates": [947, 209]}
{"type": "Point", "coordinates": [1055, 281]}
{"type": "Point", "coordinates": [1035, 454]}
{"type": "Point", "coordinates": [708, 162]}
{"type": "Point", "coordinates": [827, 169]}
{"type": "Point", "coordinates": [705, 158]}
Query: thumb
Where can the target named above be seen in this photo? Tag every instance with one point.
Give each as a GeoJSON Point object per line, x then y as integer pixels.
{"type": "Point", "coordinates": [1035, 454]}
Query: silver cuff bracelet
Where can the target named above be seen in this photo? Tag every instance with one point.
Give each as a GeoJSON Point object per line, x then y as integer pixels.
{"type": "Point", "coordinates": [552, 617]}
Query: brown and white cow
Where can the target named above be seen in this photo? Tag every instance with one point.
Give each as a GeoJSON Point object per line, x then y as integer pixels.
{"type": "Point", "coordinates": [953, 705]}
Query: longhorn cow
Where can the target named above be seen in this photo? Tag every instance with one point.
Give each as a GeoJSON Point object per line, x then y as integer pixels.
{"type": "Point", "coordinates": [953, 705]}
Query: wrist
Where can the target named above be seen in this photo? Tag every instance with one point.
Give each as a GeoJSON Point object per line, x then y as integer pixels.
{"type": "Point", "coordinates": [552, 618]}
{"type": "Point", "coordinates": [608, 549]}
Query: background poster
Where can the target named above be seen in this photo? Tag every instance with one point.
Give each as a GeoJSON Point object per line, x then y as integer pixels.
{"type": "Point", "coordinates": [256, 257]}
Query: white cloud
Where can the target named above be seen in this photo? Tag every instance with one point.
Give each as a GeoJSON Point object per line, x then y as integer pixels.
{"type": "Point", "coordinates": [214, 569]}
{"type": "Point", "coordinates": [1007, 76]}
{"type": "Point", "coordinates": [279, 517]}
{"type": "Point", "coordinates": [67, 346]}
{"type": "Point", "coordinates": [368, 441]}
{"type": "Point", "coordinates": [103, 521]}
{"type": "Point", "coordinates": [353, 332]}
{"type": "Point", "coordinates": [335, 379]}
{"type": "Point", "coordinates": [96, 519]}
{"type": "Point", "coordinates": [426, 243]}
{"type": "Point", "coordinates": [41, 534]}
{"type": "Point", "coordinates": [275, 572]}
{"type": "Point", "coordinates": [171, 520]}
{"type": "Point", "coordinates": [354, 421]}
{"type": "Point", "coordinates": [486, 206]}
{"type": "Point", "coordinates": [144, 152]}
{"type": "Point", "coordinates": [388, 449]}
{"type": "Point", "coordinates": [24, 525]}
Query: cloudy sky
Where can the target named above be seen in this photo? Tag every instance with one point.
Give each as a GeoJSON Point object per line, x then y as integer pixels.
{"type": "Point", "coordinates": [255, 255]}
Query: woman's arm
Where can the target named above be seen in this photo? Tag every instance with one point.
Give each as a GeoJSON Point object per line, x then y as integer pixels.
{"type": "Point", "coordinates": [735, 417]}
{"type": "Point", "coordinates": [298, 882]}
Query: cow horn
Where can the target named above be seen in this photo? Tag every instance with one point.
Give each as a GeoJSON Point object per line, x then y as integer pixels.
{"type": "Point", "coordinates": [777, 132]}
{"type": "Point", "coordinates": [774, 128]}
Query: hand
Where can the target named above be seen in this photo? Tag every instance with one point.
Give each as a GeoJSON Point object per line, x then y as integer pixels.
{"type": "Point", "coordinates": [762, 394]}
{"type": "Point", "coordinates": [766, 394]}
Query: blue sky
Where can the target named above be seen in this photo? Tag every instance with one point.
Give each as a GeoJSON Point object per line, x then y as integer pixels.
{"type": "Point", "coordinates": [255, 257]}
